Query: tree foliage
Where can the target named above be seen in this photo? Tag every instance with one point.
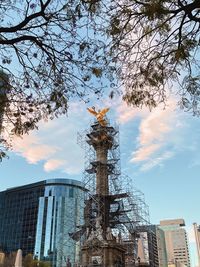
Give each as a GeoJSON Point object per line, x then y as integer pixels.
{"type": "Point", "coordinates": [156, 43]}
{"type": "Point", "coordinates": [9, 260]}
{"type": "Point", "coordinates": [54, 50]}
{"type": "Point", "coordinates": [28, 261]}
{"type": "Point", "coordinates": [48, 54]}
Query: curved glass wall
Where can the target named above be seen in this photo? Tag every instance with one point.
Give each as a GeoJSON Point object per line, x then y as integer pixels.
{"type": "Point", "coordinates": [40, 217]}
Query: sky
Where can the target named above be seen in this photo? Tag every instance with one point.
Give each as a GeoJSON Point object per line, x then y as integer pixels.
{"type": "Point", "coordinates": [159, 152]}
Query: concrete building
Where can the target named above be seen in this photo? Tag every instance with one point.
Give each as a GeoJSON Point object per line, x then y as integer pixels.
{"type": "Point", "coordinates": [152, 246]}
{"type": "Point", "coordinates": [38, 218]}
{"type": "Point", "coordinates": [197, 238]}
{"type": "Point", "coordinates": [176, 242]}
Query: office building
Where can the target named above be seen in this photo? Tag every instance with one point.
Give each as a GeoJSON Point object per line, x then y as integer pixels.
{"type": "Point", "coordinates": [158, 246]}
{"type": "Point", "coordinates": [38, 218]}
{"type": "Point", "coordinates": [147, 246]}
{"type": "Point", "coordinates": [197, 238]}
{"type": "Point", "coordinates": [152, 248]}
{"type": "Point", "coordinates": [161, 245]}
{"type": "Point", "coordinates": [176, 242]}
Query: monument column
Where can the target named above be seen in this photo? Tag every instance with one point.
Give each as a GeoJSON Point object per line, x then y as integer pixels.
{"type": "Point", "coordinates": [101, 247]}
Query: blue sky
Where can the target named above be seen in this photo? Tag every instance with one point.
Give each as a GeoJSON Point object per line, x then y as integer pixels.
{"type": "Point", "coordinates": [159, 151]}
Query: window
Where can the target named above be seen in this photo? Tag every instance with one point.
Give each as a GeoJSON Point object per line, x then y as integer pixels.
{"type": "Point", "coordinates": [71, 192]}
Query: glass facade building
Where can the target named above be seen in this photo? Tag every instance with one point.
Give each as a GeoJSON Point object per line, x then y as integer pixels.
{"type": "Point", "coordinates": [38, 218]}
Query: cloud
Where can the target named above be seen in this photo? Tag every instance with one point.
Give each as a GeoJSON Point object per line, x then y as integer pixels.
{"type": "Point", "coordinates": [156, 125]}
{"type": "Point", "coordinates": [143, 153]}
{"type": "Point", "coordinates": [31, 148]}
{"type": "Point", "coordinates": [55, 143]}
{"type": "Point", "coordinates": [158, 133]}
{"type": "Point", "coordinates": [195, 162]}
{"type": "Point", "coordinates": [54, 164]}
{"type": "Point", "coordinates": [157, 161]}
{"type": "Point", "coordinates": [155, 140]}
{"type": "Point", "coordinates": [126, 113]}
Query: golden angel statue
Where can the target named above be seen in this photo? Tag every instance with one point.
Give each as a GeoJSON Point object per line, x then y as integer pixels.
{"type": "Point", "coordinates": [99, 115]}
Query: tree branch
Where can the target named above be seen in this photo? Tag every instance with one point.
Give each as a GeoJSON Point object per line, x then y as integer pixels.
{"type": "Point", "coordinates": [27, 19]}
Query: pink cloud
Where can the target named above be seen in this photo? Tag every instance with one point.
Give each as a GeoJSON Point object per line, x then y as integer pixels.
{"type": "Point", "coordinates": [31, 148]}
{"type": "Point", "coordinates": [41, 152]}
{"type": "Point", "coordinates": [143, 153]}
{"type": "Point", "coordinates": [155, 133]}
{"type": "Point", "coordinates": [156, 125]}
{"type": "Point", "coordinates": [55, 144]}
{"type": "Point", "coordinates": [54, 164]}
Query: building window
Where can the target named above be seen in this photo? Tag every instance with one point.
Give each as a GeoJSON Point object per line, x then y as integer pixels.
{"type": "Point", "coordinates": [71, 192]}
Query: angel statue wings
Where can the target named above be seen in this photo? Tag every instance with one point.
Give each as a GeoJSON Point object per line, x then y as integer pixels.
{"type": "Point", "coordinates": [100, 114]}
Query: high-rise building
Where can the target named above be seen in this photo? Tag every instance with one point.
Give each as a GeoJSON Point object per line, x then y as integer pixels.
{"type": "Point", "coordinates": [176, 242]}
{"type": "Point", "coordinates": [197, 238]}
{"type": "Point", "coordinates": [38, 218]}
{"type": "Point", "coordinates": [161, 245]}
{"type": "Point", "coordinates": [152, 246]}
{"type": "Point", "coordinates": [147, 246]}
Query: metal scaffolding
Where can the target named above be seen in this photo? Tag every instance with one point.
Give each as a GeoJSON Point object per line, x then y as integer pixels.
{"type": "Point", "coordinates": [115, 211]}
